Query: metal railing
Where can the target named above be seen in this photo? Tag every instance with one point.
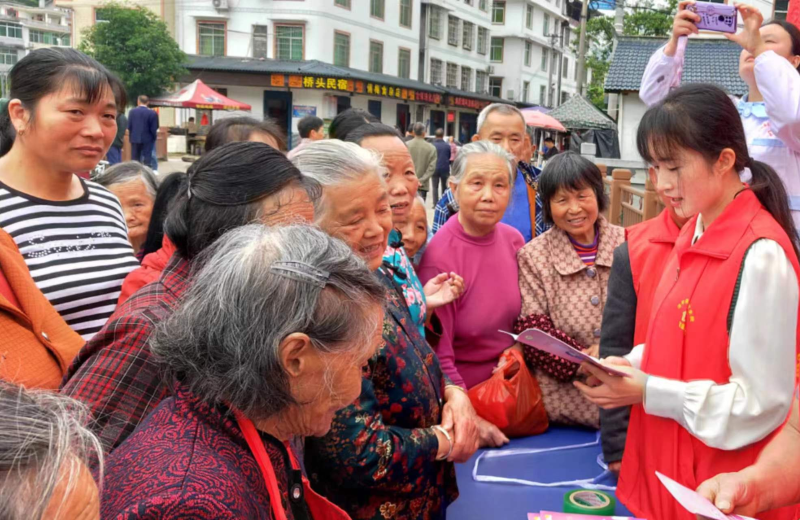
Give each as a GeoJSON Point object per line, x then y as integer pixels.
{"type": "Point", "coordinates": [629, 205]}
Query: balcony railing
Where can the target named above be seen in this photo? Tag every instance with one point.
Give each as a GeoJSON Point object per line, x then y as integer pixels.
{"type": "Point", "coordinates": [629, 205]}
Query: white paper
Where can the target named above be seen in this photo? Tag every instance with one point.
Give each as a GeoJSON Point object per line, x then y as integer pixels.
{"type": "Point", "coordinates": [694, 502]}
{"type": "Point", "coordinates": [545, 342]}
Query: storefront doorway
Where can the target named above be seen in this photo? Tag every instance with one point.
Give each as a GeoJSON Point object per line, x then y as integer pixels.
{"type": "Point", "coordinates": [403, 118]}
{"type": "Point", "coordinates": [278, 106]}
{"type": "Point", "coordinates": [437, 121]}
{"type": "Point", "coordinates": [468, 126]}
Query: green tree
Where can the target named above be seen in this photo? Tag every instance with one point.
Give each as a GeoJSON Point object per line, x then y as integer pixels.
{"type": "Point", "coordinates": [137, 46]}
{"type": "Point", "coordinates": [641, 19]}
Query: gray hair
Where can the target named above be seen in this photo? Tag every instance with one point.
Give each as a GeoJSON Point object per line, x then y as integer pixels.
{"type": "Point", "coordinates": [331, 162]}
{"type": "Point", "coordinates": [500, 108]}
{"type": "Point", "coordinates": [126, 172]}
{"type": "Point", "coordinates": [43, 442]}
{"type": "Point", "coordinates": [257, 285]}
{"type": "Point", "coordinates": [459, 169]}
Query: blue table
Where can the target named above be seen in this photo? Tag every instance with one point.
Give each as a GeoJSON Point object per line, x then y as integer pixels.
{"type": "Point", "coordinates": [500, 501]}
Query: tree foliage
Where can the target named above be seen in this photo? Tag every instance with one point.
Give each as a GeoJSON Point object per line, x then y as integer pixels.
{"type": "Point", "coordinates": [641, 19]}
{"type": "Point", "coordinates": [136, 45]}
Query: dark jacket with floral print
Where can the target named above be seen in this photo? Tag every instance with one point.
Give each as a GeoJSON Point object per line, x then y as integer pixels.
{"type": "Point", "coordinates": [379, 459]}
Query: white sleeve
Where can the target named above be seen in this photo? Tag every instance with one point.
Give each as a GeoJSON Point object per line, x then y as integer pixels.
{"type": "Point", "coordinates": [758, 396]}
{"type": "Point", "coordinates": [635, 356]}
{"type": "Point", "coordinates": [658, 77]}
{"type": "Point", "coordinates": [779, 83]}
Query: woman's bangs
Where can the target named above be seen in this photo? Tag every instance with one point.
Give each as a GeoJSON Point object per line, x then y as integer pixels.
{"type": "Point", "coordinates": [88, 85]}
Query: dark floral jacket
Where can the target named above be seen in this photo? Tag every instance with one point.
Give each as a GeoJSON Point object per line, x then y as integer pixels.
{"type": "Point", "coordinates": [379, 459]}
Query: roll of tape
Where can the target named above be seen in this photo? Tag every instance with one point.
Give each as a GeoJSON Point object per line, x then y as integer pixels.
{"type": "Point", "coordinates": [589, 502]}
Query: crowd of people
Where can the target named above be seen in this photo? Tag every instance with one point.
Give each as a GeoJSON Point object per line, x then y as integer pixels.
{"type": "Point", "coordinates": [274, 335]}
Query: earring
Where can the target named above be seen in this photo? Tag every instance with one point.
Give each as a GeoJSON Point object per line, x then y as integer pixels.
{"type": "Point", "coordinates": [21, 132]}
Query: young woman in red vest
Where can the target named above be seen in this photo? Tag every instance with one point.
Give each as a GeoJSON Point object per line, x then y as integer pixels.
{"type": "Point", "coordinates": [715, 377]}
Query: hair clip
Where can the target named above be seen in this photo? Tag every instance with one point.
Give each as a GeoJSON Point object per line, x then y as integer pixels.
{"type": "Point", "coordinates": [301, 272]}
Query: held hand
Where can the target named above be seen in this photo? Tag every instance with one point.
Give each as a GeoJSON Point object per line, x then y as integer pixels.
{"type": "Point", "coordinates": [593, 350]}
{"type": "Point", "coordinates": [614, 391]}
{"type": "Point", "coordinates": [459, 418]}
{"type": "Point", "coordinates": [443, 289]}
{"type": "Point", "coordinates": [490, 435]}
{"type": "Point", "coordinates": [685, 24]}
{"type": "Point", "coordinates": [502, 361]}
{"type": "Point", "coordinates": [731, 493]}
{"type": "Point", "coordinates": [750, 37]}
{"type": "Point", "coordinates": [611, 360]}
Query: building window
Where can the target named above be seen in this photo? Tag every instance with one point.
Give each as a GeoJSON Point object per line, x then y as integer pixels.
{"type": "Point", "coordinates": [289, 42]}
{"type": "Point", "coordinates": [565, 68]}
{"type": "Point", "coordinates": [452, 75]}
{"type": "Point", "coordinates": [526, 87]}
{"type": "Point", "coordinates": [377, 8]}
{"type": "Point", "coordinates": [528, 52]}
{"type": "Point", "coordinates": [529, 16]}
{"type": "Point", "coordinates": [435, 29]}
{"type": "Point", "coordinates": [468, 2]}
{"type": "Point", "coordinates": [564, 97]}
{"type": "Point", "coordinates": [260, 40]}
{"type": "Point", "coordinates": [497, 50]}
{"type": "Point", "coordinates": [482, 5]}
{"type": "Point", "coordinates": [405, 13]}
{"type": "Point", "coordinates": [375, 57]}
{"type": "Point", "coordinates": [468, 35]}
{"type": "Point", "coordinates": [404, 64]}
{"type": "Point", "coordinates": [100, 16]}
{"type": "Point", "coordinates": [8, 56]}
{"type": "Point", "coordinates": [342, 3]}
{"type": "Point", "coordinates": [781, 9]}
{"type": "Point", "coordinates": [10, 30]}
{"type": "Point", "coordinates": [480, 82]}
{"type": "Point", "coordinates": [49, 38]}
{"type": "Point", "coordinates": [452, 30]}
{"type": "Point", "coordinates": [341, 49]}
{"type": "Point", "coordinates": [499, 12]}
{"type": "Point", "coordinates": [483, 35]}
{"type": "Point", "coordinates": [436, 72]}
{"type": "Point", "coordinates": [546, 25]}
{"type": "Point", "coordinates": [542, 95]}
{"type": "Point", "coordinates": [545, 58]}
{"type": "Point", "coordinates": [212, 39]}
{"type": "Point", "coordinates": [567, 36]}
{"type": "Point", "coordinates": [496, 87]}
{"type": "Point", "coordinates": [466, 79]}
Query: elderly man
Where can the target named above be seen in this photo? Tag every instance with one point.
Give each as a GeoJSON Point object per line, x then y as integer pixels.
{"type": "Point", "coordinates": [505, 125]}
{"type": "Point", "coordinates": [424, 155]}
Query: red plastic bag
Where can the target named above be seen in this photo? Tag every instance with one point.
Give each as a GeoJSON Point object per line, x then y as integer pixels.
{"type": "Point", "coordinates": [511, 399]}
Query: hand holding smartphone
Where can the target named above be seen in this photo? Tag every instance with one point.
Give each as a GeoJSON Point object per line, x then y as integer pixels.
{"type": "Point", "coordinates": [714, 17]}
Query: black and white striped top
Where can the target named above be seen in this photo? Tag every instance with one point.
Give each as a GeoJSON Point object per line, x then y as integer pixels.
{"type": "Point", "coordinates": [77, 251]}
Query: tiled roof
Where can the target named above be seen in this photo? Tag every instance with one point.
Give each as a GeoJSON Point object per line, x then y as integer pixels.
{"type": "Point", "coordinates": [707, 61]}
{"type": "Point", "coordinates": [578, 113]}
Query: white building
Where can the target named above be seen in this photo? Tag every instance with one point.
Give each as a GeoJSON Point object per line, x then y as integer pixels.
{"type": "Point", "coordinates": [24, 28]}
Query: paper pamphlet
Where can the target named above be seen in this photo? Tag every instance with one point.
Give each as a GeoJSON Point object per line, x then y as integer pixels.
{"type": "Point", "coordinates": [694, 502]}
{"type": "Point", "coordinates": [547, 343]}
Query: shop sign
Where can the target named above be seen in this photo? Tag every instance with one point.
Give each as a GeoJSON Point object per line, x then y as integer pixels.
{"type": "Point", "coordinates": [301, 111]}
{"type": "Point", "coordinates": [458, 101]}
{"type": "Point", "coordinates": [356, 86]}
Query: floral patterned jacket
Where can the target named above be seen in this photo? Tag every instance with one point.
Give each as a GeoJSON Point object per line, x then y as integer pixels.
{"type": "Point", "coordinates": [379, 459]}
{"type": "Point", "coordinates": [397, 263]}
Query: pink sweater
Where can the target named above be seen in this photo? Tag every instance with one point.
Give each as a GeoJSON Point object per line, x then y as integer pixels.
{"type": "Point", "coordinates": [471, 344]}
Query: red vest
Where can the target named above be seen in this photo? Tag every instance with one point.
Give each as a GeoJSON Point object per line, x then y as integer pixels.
{"type": "Point", "coordinates": [688, 340]}
{"type": "Point", "coordinates": [649, 246]}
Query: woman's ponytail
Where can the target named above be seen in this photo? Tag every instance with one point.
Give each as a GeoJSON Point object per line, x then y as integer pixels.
{"type": "Point", "coordinates": [771, 192]}
{"type": "Point", "coordinates": [7, 131]}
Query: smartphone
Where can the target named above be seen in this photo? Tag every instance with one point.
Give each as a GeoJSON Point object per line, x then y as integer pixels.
{"type": "Point", "coordinates": [715, 17]}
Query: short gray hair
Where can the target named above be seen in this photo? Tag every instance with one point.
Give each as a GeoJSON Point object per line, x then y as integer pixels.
{"type": "Point", "coordinates": [480, 148]}
{"type": "Point", "coordinates": [43, 442]}
{"type": "Point", "coordinates": [255, 286]}
{"type": "Point", "coordinates": [500, 108]}
{"type": "Point", "coordinates": [126, 172]}
{"type": "Point", "coordinates": [331, 162]}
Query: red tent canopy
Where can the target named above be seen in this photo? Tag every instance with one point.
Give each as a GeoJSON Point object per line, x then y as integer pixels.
{"type": "Point", "coordinates": [198, 95]}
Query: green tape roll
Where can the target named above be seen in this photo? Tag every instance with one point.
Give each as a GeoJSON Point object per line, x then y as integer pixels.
{"type": "Point", "coordinates": [589, 502]}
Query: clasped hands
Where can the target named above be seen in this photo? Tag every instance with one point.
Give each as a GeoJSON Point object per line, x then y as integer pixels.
{"type": "Point", "coordinates": [608, 391]}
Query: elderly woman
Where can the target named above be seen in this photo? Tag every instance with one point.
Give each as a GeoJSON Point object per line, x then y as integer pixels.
{"type": "Point", "coordinates": [415, 231]}
{"type": "Point", "coordinates": [233, 185]}
{"type": "Point", "coordinates": [563, 279]}
{"type": "Point", "coordinates": [267, 344]}
{"type": "Point", "coordinates": [43, 453]}
{"type": "Point", "coordinates": [135, 185]}
{"type": "Point", "coordinates": [390, 454]}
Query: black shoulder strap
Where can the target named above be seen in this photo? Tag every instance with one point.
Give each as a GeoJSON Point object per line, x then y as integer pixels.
{"type": "Point", "coordinates": [736, 289]}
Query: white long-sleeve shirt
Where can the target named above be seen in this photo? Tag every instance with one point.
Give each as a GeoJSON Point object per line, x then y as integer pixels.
{"type": "Point", "coordinates": [757, 398]}
{"type": "Point", "coordinates": [772, 127]}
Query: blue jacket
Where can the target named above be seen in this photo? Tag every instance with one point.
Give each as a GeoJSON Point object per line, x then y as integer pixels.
{"type": "Point", "coordinates": [142, 125]}
{"type": "Point", "coordinates": [442, 157]}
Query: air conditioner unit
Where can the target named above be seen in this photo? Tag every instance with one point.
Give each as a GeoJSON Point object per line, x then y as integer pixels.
{"type": "Point", "coordinates": [490, 69]}
{"type": "Point", "coordinates": [220, 5]}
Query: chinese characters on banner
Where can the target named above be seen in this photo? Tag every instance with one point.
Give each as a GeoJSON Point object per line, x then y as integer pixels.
{"type": "Point", "coordinates": [467, 102]}
{"type": "Point", "coordinates": [357, 86]}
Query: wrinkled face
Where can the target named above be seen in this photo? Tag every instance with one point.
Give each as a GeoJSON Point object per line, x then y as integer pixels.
{"type": "Point", "coordinates": [506, 130]}
{"type": "Point", "coordinates": [358, 212]}
{"type": "Point", "coordinates": [65, 131]}
{"type": "Point", "coordinates": [81, 503]}
{"type": "Point", "coordinates": [575, 211]}
{"type": "Point", "coordinates": [401, 179]}
{"type": "Point", "coordinates": [415, 229]}
{"type": "Point", "coordinates": [775, 39]}
{"type": "Point", "coordinates": [483, 193]}
{"type": "Point", "coordinates": [137, 205]}
{"type": "Point", "coordinates": [686, 183]}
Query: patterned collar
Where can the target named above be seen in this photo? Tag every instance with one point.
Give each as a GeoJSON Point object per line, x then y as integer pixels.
{"type": "Point", "coordinates": [530, 173]}
{"type": "Point", "coordinates": [746, 108]}
{"type": "Point", "coordinates": [567, 260]}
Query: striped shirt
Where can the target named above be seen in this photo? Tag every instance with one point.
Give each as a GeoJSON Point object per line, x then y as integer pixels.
{"type": "Point", "coordinates": [588, 253]}
{"type": "Point", "coordinates": [77, 251]}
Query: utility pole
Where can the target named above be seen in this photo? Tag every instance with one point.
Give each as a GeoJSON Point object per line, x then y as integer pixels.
{"type": "Point", "coordinates": [550, 68]}
{"type": "Point", "coordinates": [561, 43]}
{"type": "Point", "coordinates": [582, 49]}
